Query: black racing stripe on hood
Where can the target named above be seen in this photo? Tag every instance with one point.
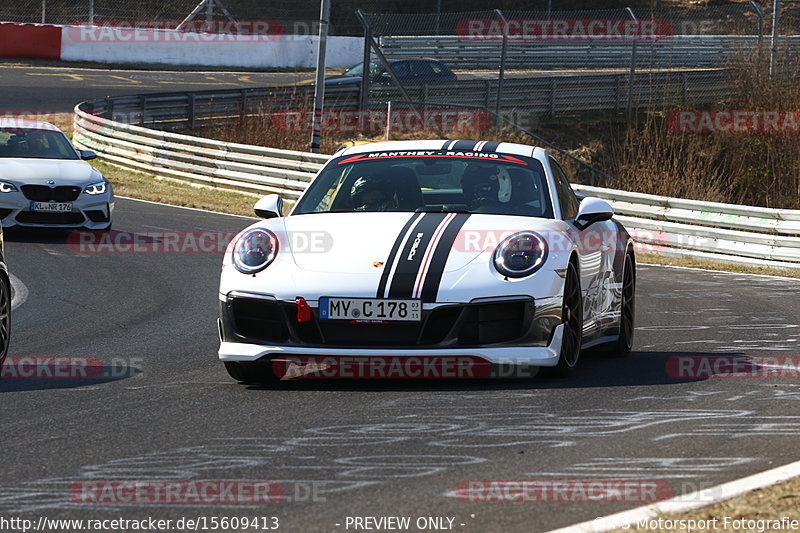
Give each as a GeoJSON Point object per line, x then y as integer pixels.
{"type": "Point", "coordinates": [490, 146]}
{"type": "Point", "coordinates": [387, 268]}
{"type": "Point", "coordinates": [430, 288]}
{"type": "Point", "coordinates": [464, 146]}
{"type": "Point", "coordinates": [405, 274]}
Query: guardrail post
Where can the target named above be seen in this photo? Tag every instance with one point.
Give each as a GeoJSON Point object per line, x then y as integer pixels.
{"type": "Point", "coordinates": [190, 112]}
{"type": "Point", "coordinates": [685, 87]}
{"type": "Point", "coordinates": [503, 51]}
{"type": "Point", "coordinates": [552, 96]}
{"type": "Point", "coordinates": [142, 108]}
{"type": "Point", "coordinates": [243, 107]}
{"type": "Point", "coordinates": [632, 78]}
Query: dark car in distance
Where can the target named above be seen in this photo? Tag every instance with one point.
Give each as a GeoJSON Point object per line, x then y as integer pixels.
{"type": "Point", "coordinates": [406, 70]}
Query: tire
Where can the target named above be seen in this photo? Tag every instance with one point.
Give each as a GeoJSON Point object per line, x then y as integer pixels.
{"type": "Point", "coordinates": [624, 343]}
{"type": "Point", "coordinates": [5, 317]}
{"type": "Point", "coordinates": [572, 318]}
{"type": "Point", "coordinates": [250, 372]}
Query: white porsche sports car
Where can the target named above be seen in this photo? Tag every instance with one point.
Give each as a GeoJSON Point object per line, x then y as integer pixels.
{"type": "Point", "coordinates": [401, 256]}
{"type": "Point", "coordinates": [46, 182]}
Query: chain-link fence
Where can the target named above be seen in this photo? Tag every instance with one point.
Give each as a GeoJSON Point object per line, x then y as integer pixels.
{"type": "Point", "coordinates": [556, 62]}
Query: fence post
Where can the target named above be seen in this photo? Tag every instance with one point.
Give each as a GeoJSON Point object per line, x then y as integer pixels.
{"type": "Point", "coordinates": [760, 15]}
{"type": "Point", "coordinates": [632, 78]}
{"type": "Point", "coordinates": [363, 100]}
{"type": "Point", "coordinates": [319, 85]}
{"type": "Point", "coordinates": [503, 52]}
{"type": "Point", "coordinates": [91, 12]}
{"type": "Point", "coordinates": [776, 16]}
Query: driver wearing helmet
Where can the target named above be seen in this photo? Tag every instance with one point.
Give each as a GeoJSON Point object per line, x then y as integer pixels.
{"type": "Point", "coordinates": [486, 186]}
{"type": "Point", "coordinates": [371, 193]}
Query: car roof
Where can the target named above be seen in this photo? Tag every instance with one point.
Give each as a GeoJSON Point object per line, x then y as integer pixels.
{"type": "Point", "coordinates": [441, 144]}
{"type": "Point", "coordinates": [26, 124]}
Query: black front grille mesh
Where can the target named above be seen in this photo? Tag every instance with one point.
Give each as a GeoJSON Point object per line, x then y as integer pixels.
{"type": "Point", "coordinates": [456, 325]}
{"type": "Point", "coordinates": [44, 193]}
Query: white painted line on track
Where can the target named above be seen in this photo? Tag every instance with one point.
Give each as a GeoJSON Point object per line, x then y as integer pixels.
{"type": "Point", "coordinates": [686, 502]}
{"type": "Point", "coordinates": [19, 292]}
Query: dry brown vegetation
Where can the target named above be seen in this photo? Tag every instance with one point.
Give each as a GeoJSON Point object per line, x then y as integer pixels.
{"type": "Point", "coordinates": [640, 151]}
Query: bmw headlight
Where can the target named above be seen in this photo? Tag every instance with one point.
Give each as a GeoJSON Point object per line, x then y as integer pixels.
{"type": "Point", "coordinates": [254, 251]}
{"type": "Point", "coordinates": [7, 187]}
{"type": "Point", "coordinates": [96, 188]}
{"type": "Point", "coordinates": [520, 255]}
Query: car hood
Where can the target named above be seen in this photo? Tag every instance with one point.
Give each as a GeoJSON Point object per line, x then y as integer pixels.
{"type": "Point", "coordinates": [364, 243]}
{"type": "Point", "coordinates": [40, 171]}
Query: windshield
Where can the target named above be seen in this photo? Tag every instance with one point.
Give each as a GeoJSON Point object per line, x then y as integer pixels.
{"type": "Point", "coordinates": [357, 70]}
{"type": "Point", "coordinates": [430, 180]}
{"type": "Point", "coordinates": [35, 143]}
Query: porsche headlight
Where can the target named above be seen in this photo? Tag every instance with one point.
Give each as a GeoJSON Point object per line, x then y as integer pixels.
{"type": "Point", "coordinates": [254, 251]}
{"type": "Point", "coordinates": [7, 187]}
{"type": "Point", "coordinates": [520, 255]}
{"type": "Point", "coordinates": [96, 188]}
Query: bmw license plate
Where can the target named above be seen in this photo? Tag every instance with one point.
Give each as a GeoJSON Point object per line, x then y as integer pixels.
{"type": "Point", "coordinates": [370, 309]}
{"type": "Point", "coordinates": [53, 207]}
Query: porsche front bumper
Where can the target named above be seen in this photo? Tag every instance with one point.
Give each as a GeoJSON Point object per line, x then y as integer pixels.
{"type": "Point", "coordinates": [503, 331]}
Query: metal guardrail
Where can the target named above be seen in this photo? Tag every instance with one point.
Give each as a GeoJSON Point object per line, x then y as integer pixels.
{"type": "Point", "coordinates": [554, 95]}
{"type": "Point", "coordinates": [729, 232]}
{"type": "Point", "coordinates": [670, 52]}
{"type": "Point", "coordinates": [252, 169]}
{"type": "Point", "coordinates": [659, 224]}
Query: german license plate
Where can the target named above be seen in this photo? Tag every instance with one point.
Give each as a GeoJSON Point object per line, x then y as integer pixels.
{"type": "Point", "coordinates": [53, 207]}
{"type": "Point", "coordinates": [370, 309]}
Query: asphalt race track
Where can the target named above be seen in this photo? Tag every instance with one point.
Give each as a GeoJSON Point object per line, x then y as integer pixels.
{"type": "Point", "coordinates": [159, 406]}
{"type": "Point", "coordinates": [57, 90]}
{"type": "Point", "coordinates": [156, 405]}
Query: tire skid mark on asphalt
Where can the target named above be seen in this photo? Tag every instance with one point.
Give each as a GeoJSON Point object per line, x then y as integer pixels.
{"type": "Point", "coordinates": [19, 292]}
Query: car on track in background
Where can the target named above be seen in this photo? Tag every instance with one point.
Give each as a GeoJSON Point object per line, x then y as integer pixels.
{"type": "Point", "coordinates": [422, 70]}
{"type": "Point", "coordinates": [427, 249]}
{"type": "Point", "coordinates": [46, 182]}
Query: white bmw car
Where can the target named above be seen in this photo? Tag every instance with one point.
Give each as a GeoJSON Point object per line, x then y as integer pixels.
{"type": "Point", "coordinates": [46, 182]}
{"type": "Point", "coordinates": [423, 253]}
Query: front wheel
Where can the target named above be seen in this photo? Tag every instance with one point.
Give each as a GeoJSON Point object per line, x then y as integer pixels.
{"type": "Point", "coordinates": [572, 319]}
{"type": "Point", "coordinates": [624, 343]}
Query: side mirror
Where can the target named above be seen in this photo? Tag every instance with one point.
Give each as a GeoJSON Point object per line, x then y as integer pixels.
{"type": "Point", "coordinates": [87, 155]}
{"type": "Point", "coordinates": [592, 210]}
{"type": "Point", "coordinates": [271, 206]}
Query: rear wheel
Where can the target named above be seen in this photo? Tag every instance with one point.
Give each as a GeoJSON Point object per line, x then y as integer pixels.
{"type": "Point", "coordinates": [250, 372]}
{"type": "Point", "coordinates": [572, 319]}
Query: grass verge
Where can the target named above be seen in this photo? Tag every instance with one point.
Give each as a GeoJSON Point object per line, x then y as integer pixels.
{"type": "Point", "coordinates": [138, 185]}
{"type": "Point", "coordinates": [770, 503]}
